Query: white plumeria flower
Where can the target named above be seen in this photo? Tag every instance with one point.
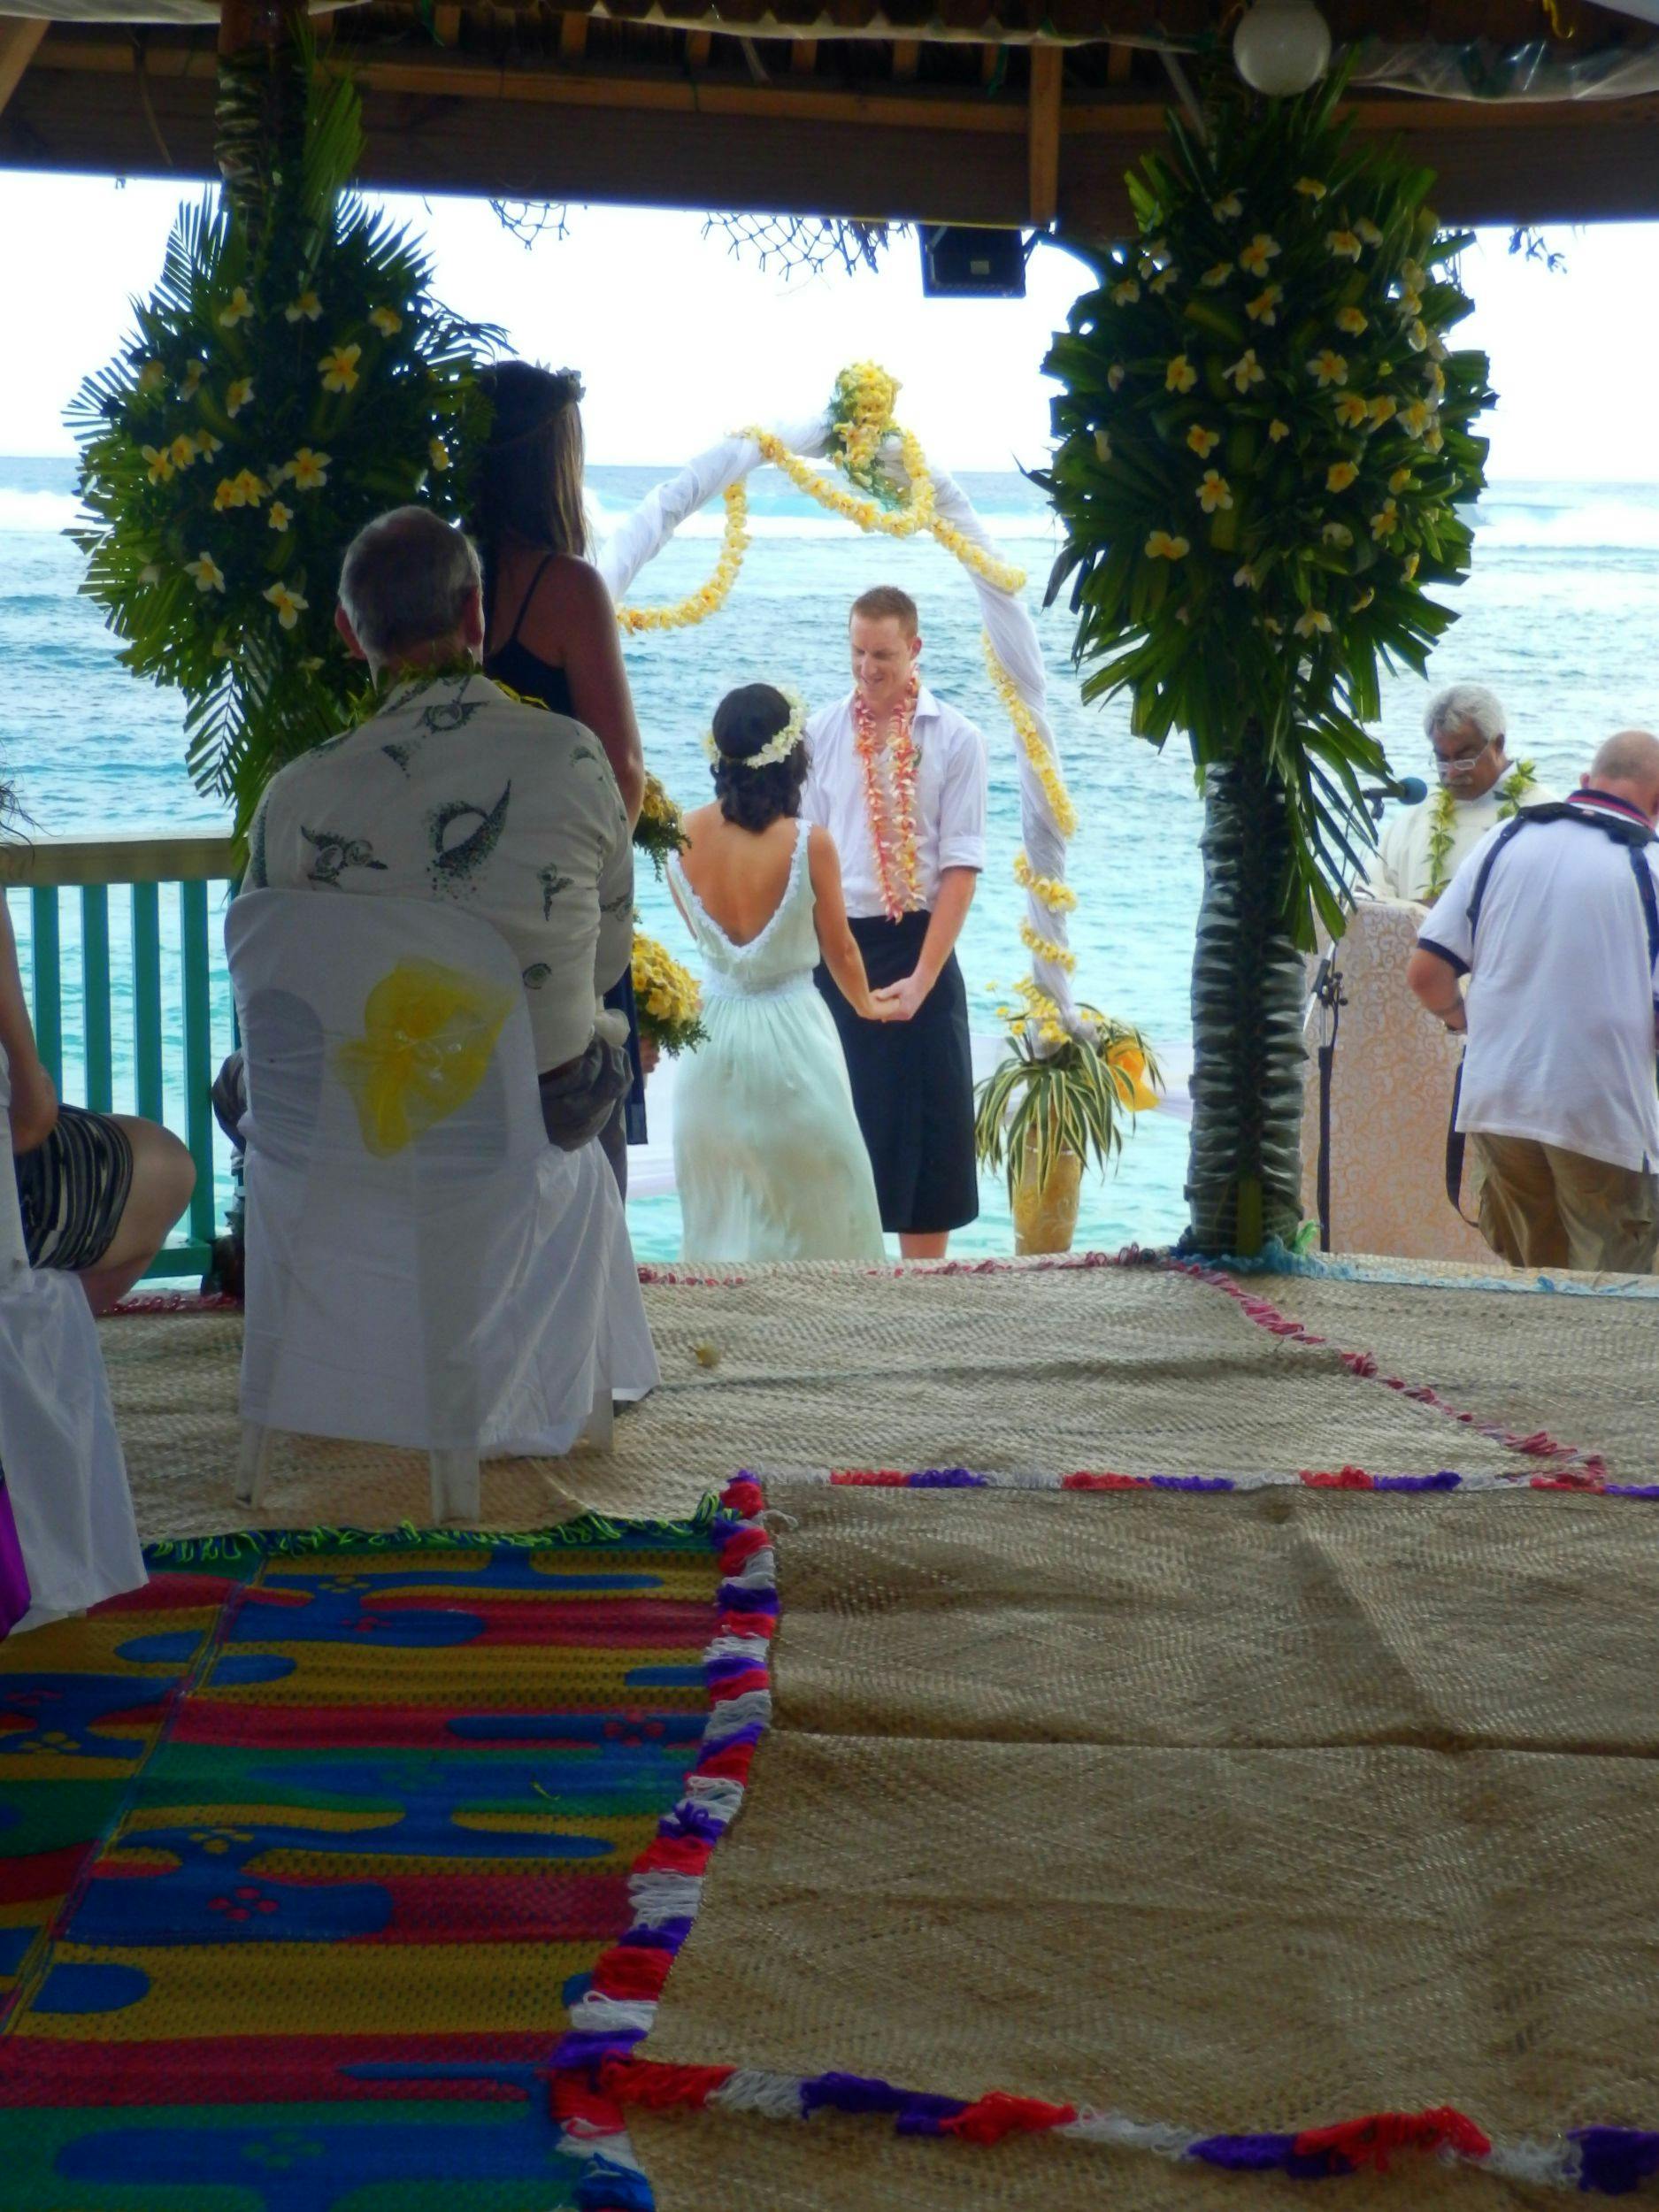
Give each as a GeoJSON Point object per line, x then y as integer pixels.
{"type": "Point", "coordinates": [280, 517]}
{"type": "Point", "coordinates": [1114, 376]}
{"type": "Point", "coordinates": [1311, 188]}
{"type": "Point", "coordinates": [1337, 534]}
{"type": "Point", "coordinates": [338, 368]}
{"type": "Point", "coordinates": [386, 320]}
{"type": "Point", "coordinates": [1245, 371]}
{"type": "Point", "coordinates": [237, 395]}
{"type": "Point", "coordinates": [1125, 294]}
{"type": "Point", "coordinates": [205, 572]}
{"type": "Point", "coordinates": [1180, 375]}
{"type": "Point", "coordinates": [1214, 491]}
{"type": "Point", "coordinates": [1327, 367]}
{"type": "Point", "coordinates": [1247, 578]}
{"type": "Point", "coordinates": [289, 605]}
{"type": "Point", "coordinates": [1277, 430]}
{"type": "Point", "coordinates": [237, 308]}
{"type": "Point", "coordinates": [309, 471]}
{"type": "Point", "coordinates": [1261, 249]}
{"type": "Point", "coordinates": [1314, 623]}
{"type": "Point", "coordinates": [307, 309]}
{"type": "Point", "coordinates": [1345, 244]}
{"type": "Point", "coordinates": [1213, 278]}
{"type": "Point", "coordinates": [1203, 442]}
{"type": "Point", "coordinates": [1228, 210]}
{"type": "Point", "coordinates": [1367, 231]}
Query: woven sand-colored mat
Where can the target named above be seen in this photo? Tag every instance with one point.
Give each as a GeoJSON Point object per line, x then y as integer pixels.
{"type": "Point", "coordinates": [1583, 1368]}
{"type": "Point", "coordinates": [1025, 1371]}
{"type": "Point", "coordinates": [1238, 1813]}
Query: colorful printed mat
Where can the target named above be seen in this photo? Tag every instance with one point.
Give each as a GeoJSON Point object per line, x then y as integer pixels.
{"type": "Point", "coordinates": [305, 1849]}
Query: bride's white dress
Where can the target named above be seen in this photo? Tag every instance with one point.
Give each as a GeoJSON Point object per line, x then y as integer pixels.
{"type": "Point", "coordinates": [767, 1153]}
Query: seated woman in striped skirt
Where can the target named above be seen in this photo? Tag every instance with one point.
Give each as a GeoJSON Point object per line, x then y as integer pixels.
{"type": "Point", "coordinates": [98, 1192]}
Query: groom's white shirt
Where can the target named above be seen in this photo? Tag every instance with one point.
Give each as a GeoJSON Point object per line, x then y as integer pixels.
{"type": "Point", "coordinates": [950, 797]}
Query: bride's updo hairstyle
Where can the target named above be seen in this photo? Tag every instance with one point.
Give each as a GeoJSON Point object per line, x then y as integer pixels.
{"type": "Point", "coordinates": [745, 721]}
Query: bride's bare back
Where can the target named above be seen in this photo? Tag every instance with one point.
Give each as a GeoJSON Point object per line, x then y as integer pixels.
{"type": "Point", "coordinates": [741, 876]}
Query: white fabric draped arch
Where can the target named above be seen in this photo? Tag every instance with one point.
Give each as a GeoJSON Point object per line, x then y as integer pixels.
{"type": "Point", "coordinates": [642, 535]}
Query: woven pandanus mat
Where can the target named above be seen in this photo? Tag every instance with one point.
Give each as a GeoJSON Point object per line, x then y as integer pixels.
{"type": "Point", "coordinates": [1026, 1370]}
{"type": "Point", "coordinates": [1236, 1813]}
{"type": "Point", "coordinates": [1581, 1367]}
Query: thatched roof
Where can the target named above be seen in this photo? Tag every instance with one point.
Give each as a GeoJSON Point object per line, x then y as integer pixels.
{"type": "Point", "coordinates": [995, 112]}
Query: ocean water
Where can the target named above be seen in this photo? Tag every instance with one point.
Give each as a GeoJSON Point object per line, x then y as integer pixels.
{"type": "Point", "coordinates": [1565, 593]}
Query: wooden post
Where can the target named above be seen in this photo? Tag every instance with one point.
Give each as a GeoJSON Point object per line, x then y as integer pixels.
{"type": "Point", "coordinates": [19, 35]}
{"type": "Point", "coordinates": [572, 37]}
{"type": "Point", "coordinates": [1048, 72]}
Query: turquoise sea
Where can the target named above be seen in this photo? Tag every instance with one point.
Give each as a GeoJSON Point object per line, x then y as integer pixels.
{"type": "Point", "coordinates": [1564, 592]}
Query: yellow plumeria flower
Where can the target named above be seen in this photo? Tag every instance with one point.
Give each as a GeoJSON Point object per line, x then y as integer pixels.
{"type": "Point", "coordinates": [1258, 253]}
{"type": "Point", "coordinates": [1114, 376]}
{"type": "Point", "coordinates": [1383, 409]}
{"type": "Point", "coordinates": [1385, 521]}
{"type": "Point", "coordinates": [438, 454]}
{"type": "Point", "coordinates": [1203, 442]}
{"type": "Point", "coordinates": [1328, 368]}
{"type": "Point", "coordinates": [1368, 231]}
{"type": "Point", "coordinates": [279, 517]}
{"type": "Point", "coordinates": [194, 372]}
{"type": "Point", "coordinates": [1417, 337]}
{"type": "Point", "coordinates": [1164, 545]}
{"type": "Point", "coordinates": [1218, 275]}
{"type": "Point", "coordinates": [1163, 279]}
{"type": "Point", "coordinates": [151, 377]}
{"type": "Point", "coordinates": [252, 487]}
{"type": "Point", "coordinates": [1434, 438]}
{"type": "Point", "coordinates": [1352, 319]}
{"type": "Point", "coordinates": [1339, 475]}
{"type": "Point", "coordinates": [1414, 273]}
{"type": "Point", "coordinates": [1277, 431]}
{"type": "Point", "coordinates": [1246, 370]}
{"type": "Point", "coordinates": [205, 572]}
{"type": "Point", "coordinates": [1364, 600]}
{"type": "Point", "coordinates": [1399, 481]}
{"type": "Point", "coordinates": [1125, 294]}
{"type": "Point", "coordinates": [207, 445]}
{"type": "Point", "coordinates": [1311, 188]}
{"type": "Point", "coordinates": [1417, 417]}
{"type": "Point", "coordinates": [237, 395]}
{"type": "Point", "coordinates": [182, 452]}
{"type": "Point", "coordinates": [1246, 577]}
{"type": "Point", "coordinates": [386, 320]}
{"type": "Point", "coordinates": [1102, 446]}
{"type": "Point", "coordinates": [1351, 410]}
{"type": "Point", "coordinates": [1408, 567]}
{"type": "Point", "coordinates": [1180, 375]}
{"type": "Point", "coordinates": [1337, 534]}
{"type": "Point", "coordinates": [307, 309]}
{"type": "Point", "coordinates": [236, 309]}
{"type": "Point", "coordinates": [339, 368]}
{"type": "Point", "coordinates": [1214, 491]}
{"type": "Point", "coordinates": [1408, 304]}
{"type": "Point", "coordinates": [1272, 626]}
{"type": "Point", "coordinates": [288, 605]}
{"type": "Point", "coordinates": [1265, 307]}
{"type": "Point", "coordinates": [1343, 243]}
{"type": "Point", "coordinates": [309, 471]}
{"type": "Point", "coordinates": [1228, 210]}
{"type": "Point", "coordinates": [226, 494]}
{"type": "Point", "coordinates": [1314, 623]}
{"type": "Point", "coordinates": [1437, 380]}
{"type": "Point", "coordinates": [160, 463]}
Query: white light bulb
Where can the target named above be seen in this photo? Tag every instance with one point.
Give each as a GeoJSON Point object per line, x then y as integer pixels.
{"type": "Point", "coordinates": [1282, 46]}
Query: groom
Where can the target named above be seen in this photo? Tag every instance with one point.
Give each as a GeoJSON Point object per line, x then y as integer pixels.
{"type": "Point", "coordinates": [898, 779]}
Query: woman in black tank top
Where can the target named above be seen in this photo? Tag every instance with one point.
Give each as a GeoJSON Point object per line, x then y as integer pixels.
{"type": "Point", "coordinates": [529, 509]}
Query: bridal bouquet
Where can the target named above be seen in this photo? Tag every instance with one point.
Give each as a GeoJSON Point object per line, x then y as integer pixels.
{"type": "Point", "coordinates": [667, 998]}
{"type": "Point", "coordinates": [661, 828]}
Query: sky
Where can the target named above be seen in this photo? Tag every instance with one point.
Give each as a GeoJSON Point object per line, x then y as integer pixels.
{"type": "Point", "coordinates": [679, 343]}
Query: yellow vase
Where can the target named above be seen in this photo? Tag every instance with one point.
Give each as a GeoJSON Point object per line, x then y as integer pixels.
{"type": "Point", "coordinates": [1045, 1214]}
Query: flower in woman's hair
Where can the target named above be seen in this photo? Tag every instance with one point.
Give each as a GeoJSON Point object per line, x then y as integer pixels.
{"type": "Point", "coordinates": [1353, 321]}
{"type": "Point", "coordinates": [1258, 253]}
{"type": "Point", "coordinates": [237, 395]}
{"type": "Point", "coordinates": [1164, 545]}
{"type": "Point", "coordinates": [288, 605]}
{"type": "Point", "coordinates": [237, 308]}
{"type": "Point", "coordinates": [1327, 367]}
{"type": "Point", "coordinates": [338, 368]}
{"type": "Point", "coordinates": [1203, 442]}
{"type": "Point", "coordinates": [1313, 623]}
{"type": "Point", "coordinates": [1245, 371]}
{"type": "Point", "coordinates": [1263, 308]}
{"type": "Point", "coordinates": [307, 309]}
{"type": "Point", "coordinates": [1339, 475]}
{"type": "Point", "coordinates": [386, 320]}
{"type": "Point", "coordinates": [1214, 492]}
{"type": "Point", "coordinates": [1180, 375]}
{"type": "Point", "coordinates": [1344, 244]}
{"type": "Point", "coordinates": [205, 572]}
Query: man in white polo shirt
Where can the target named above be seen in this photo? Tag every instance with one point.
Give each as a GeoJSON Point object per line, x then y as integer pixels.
{"type": "Point", "coordinates": [1554, 920]}
{"type": "Point", "coordinates": [898, 778]}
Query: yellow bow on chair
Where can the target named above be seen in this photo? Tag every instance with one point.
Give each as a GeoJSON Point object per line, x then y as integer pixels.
{"type": "Point", "coordinates": [428, 1032]}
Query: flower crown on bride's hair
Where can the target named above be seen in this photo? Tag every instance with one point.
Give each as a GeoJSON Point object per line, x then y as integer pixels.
{"type": "Point", "coordinates": [777, 749]}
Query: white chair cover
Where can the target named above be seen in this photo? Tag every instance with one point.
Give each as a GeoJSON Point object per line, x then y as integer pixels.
{"type": "Point", "coordinates": [65, 1475]}
{"type": "Point", "coordinates": [471, 1291]}
{"type": "Point", "coordinates": [1391, 1096]}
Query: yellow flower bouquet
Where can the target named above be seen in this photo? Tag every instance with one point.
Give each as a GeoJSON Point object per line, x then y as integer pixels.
{"type": "Point", "coordinates": [661, 828]}
{"type": "Point", "coordinates": [667, 998]}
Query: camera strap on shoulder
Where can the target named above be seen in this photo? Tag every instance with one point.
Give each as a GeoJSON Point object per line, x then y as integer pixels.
{"type": "Point", "coordinates": [1635, 837]}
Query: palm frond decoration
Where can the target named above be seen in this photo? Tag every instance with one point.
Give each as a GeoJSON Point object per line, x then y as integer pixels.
{"type": "Point", "coordinates": [290, 377]}
{"type": "Point", "coordinates": [1263, 446]}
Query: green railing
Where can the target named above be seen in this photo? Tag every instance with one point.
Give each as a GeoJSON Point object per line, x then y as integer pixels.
{"type": "Point", "coordinates": [138, 1021]}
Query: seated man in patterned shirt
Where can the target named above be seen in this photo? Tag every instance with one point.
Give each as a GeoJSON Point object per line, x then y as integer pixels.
{"type": "Point", "coordinates": [454, 789]}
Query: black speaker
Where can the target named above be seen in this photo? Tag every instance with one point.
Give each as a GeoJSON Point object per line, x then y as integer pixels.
{"type": "Point", "coordinates": [984, 265]}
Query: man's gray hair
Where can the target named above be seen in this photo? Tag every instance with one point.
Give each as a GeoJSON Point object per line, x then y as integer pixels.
{"type": "Point", "coordinates": [1465, 706]}
{"type": "Point", "coordinates": [405, 581]}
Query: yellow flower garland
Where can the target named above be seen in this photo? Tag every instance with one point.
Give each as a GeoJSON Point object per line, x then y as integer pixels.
{"type": "Point", "coordinates": [1045, 948]}
{"type": "Point", "coordinates": [713, 594]}
{"type": "Point", "coordinates": [1030, 742]}
{"type": "Point", "coordinates": [1058, 898]}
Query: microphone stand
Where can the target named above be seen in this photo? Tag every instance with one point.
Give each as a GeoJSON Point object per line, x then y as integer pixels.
{"type": "Point", "coordinates": [1330, 995]}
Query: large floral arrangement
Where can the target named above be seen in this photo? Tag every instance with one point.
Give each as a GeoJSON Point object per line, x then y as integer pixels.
{"type": "Point", "coordinates": [290, 378]}
{"type": "Point", "coordinates": [1262, 443]}
{"type": "Point", "coordinates": [1061, 1090]}
{"type": "Point", "coordinates": [669, 1002]}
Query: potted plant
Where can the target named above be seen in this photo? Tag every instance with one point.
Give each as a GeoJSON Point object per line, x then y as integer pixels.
{"type": "Point", "coordinates": [1058, 1101]}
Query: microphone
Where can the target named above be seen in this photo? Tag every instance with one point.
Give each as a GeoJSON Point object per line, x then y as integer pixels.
{"type": "Point", "coordinates": [1410, 790]}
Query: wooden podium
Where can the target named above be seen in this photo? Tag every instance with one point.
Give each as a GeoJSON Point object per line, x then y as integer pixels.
{"type": "Point", "coordinates": [1392, 1072]}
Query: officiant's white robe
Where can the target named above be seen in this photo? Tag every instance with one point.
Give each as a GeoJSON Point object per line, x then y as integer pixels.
{"type": "Point", "coordinates": [1401, 869]}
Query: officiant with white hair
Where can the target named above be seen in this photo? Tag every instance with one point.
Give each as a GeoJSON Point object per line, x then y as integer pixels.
{"type": "Point", "coordinates": [1477, 786]}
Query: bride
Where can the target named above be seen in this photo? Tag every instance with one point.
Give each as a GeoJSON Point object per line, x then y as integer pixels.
{"type": "Point", "coordinates": [767, 1153]}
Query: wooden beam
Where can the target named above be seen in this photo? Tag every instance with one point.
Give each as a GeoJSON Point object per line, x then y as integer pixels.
{"type": "Point", "coordinates": [20, 41]}
{"type": "Point", "coordinates": [699, 46]}
{"type": "Point", "coordinates": [803, 56]}
{"type": "Point", "coordinates": [907, 54]}
{"type": "Point", "coordinates": [1047, 73]}
{"type": "Point", "coordinates": [446, 26]}
{"type": "Point", "coordinates": [572, 37]}
{"type": "Point", "coordinates": [1119, 61]}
